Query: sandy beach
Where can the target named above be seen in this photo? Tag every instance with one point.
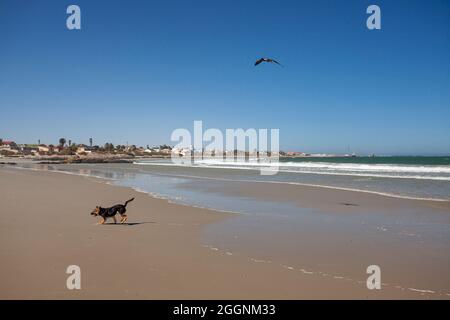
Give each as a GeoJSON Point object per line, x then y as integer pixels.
{"type": "Point", "coordinates": [162, 253]}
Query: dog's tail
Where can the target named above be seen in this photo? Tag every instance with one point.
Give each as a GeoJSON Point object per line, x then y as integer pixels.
{"type": "Point", "coordinates": [126, 202]}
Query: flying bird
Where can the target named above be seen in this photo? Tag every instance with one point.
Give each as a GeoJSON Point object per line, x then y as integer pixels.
{"type": "Point", "coordinates": [267, 60]}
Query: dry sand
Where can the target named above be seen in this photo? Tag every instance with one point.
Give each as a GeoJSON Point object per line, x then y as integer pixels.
{"type": "Point", "coordinates": [46, 226]}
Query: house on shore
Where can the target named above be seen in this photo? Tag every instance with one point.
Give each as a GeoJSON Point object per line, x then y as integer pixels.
{"type": "Point", "coordinates": [43, 149]}
{"type": "Point", "coordinates": [8, 148]}
{"type": "Point", "coordinates": [8, 145]}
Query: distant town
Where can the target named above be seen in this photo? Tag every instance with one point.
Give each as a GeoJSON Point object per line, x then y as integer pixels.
{"type": "Point", "coordinates": [66, 150]}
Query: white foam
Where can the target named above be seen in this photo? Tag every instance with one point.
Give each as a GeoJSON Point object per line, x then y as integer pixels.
{"type": "Point", "coordinates": [421, 290]}
{"type": "Point", "coordinates": [234, 180]}
{"type": "Point", "coordinates": [341, 169]}
{"type": "Point", "coordinates": [310, 272]}
{"type": "Point", "coordinates": [259, 261]}
{"type": "Point", "coordinates": [385, 194]}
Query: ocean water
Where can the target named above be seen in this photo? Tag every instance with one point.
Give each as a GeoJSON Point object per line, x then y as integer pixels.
{"type": "Point", "coordinates": [200, 185]}
{"type": "Point", "coordinates": [407, 177]}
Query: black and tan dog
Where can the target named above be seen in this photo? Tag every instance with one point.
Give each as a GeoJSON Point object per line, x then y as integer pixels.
{"type": "Point", "coordinates": [111, 212]}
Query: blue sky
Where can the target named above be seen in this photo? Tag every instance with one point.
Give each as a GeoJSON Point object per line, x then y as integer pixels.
{"type": "Point", "coordinates": [137, 70]}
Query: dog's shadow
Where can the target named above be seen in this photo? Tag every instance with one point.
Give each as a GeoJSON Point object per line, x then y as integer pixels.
{"type": "Point", "coordinates": [127, 223]}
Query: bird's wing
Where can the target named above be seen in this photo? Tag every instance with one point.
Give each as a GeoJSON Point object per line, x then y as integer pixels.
{"type": "Point", "coordinates": [272, 60]}
{"type": "Point", "coordinates": [259, 61]}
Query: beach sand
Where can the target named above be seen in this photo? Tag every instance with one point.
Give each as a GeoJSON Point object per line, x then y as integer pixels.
{"type": "Point", "coordinates": [161, 254]}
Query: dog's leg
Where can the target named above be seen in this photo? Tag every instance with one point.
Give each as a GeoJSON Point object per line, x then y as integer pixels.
{"type": "Point", "coordinates": [124, 218]}
{"type": "Point", "coordinates": [102, 221]}
{"type": "Point", "coordinates": [114, 218]}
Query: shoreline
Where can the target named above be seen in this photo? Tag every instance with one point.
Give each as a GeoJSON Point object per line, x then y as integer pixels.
{"type": "Point", "coordinates": [161, 265]}
{"type": "Point", "coordinates": [310, 188]}
{"type": "Point", "coordinates": [445, 203]}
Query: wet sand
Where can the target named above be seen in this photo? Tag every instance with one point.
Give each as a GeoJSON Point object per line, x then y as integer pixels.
{"type": "Point", "coordinates": [164, 252]}
{"type": "Point", "coordinates": [338, 233]}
